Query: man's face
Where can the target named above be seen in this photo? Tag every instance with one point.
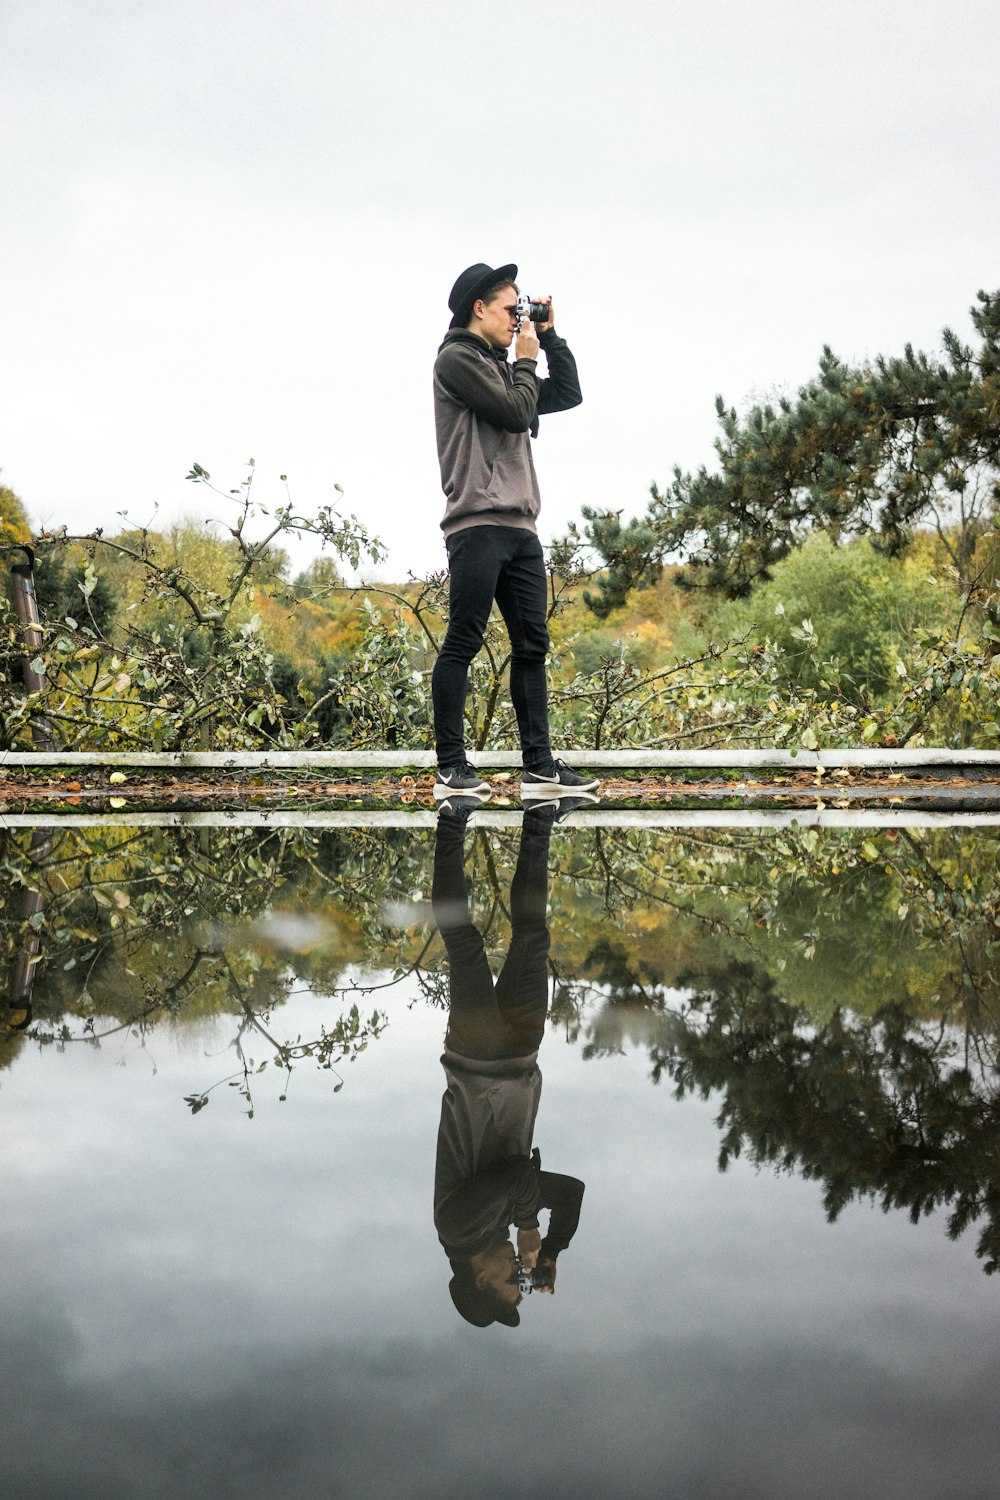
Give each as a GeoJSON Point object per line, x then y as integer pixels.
{"type": "Point", "coordinates": [499, 1272]}
{"type": "Point", "coordinates": [498, 323]}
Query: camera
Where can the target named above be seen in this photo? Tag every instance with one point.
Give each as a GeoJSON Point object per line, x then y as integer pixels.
{"type": "Point", "coordinates": [538, 312]}
{"type": "Point", "coordinates": [532, 1281]}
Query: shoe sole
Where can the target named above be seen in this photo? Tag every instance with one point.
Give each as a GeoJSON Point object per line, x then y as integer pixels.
{"type": "Point", "coordinates": [461, 814]}
{"type": "Point", "coordinates": [553, 789]}
{"type": "Point", "coordinates": [481, 793]}
{"type": "Point", "coordinates": [579, 800]}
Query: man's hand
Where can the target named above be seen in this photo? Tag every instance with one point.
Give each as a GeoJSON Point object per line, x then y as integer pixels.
{"type": "Point", "coordinates": [529, 1242]}
{"type": "Point", "coordinates": [527, 345]}
{"type": "Point", "coordinates": [551, 1265]}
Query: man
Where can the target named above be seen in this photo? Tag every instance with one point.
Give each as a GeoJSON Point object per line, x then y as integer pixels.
{"type": "Point", "coordinates": [486, 412]}
{"type": "Point", "coordinates": [487, 1176]}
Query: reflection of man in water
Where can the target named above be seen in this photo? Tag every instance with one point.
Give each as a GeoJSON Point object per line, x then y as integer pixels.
{"type": "Point", "coordinates": [487, 1177]}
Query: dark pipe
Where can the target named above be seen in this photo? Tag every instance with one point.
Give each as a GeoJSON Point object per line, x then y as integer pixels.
{"type": "Point", "coordinates": [32, 901]}
{"type": "Point", "coordinates": [26, 607]}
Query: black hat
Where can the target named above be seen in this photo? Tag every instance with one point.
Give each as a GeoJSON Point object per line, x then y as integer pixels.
{"type": "Point", "coordinates": [480, 1306]}
{"type": "Point", "coordinates": [472, 284]}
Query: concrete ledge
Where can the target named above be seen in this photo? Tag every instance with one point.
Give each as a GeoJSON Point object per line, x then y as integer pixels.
{"type": "Point", "coordinates": [595, 817]}
{"type": "Point", "coordinates": [610, 760]}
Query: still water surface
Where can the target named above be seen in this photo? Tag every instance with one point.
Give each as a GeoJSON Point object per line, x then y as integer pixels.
{"type": "Point", "coordinates": [268, 1123]}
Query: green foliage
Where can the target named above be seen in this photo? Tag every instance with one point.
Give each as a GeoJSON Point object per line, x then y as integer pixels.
{"type": "Point", "coordinates": [14, 529]}
{"type": "Point", "coordinates": [13, 520]}
{"type": "Point", "coordinates": [843, 615]}
{"type": "Point", "coordinates": [838, 995]}
{"type": "Point", "coordinates": [373, 697]}
{"type": "Point", "coordinates": [185, 917]}
{"type": "Point", "coordinates": [138, 930]}
{"type": "Point", "coordinates": [189, 663]}
{"type": "Point", "coordinates": [319, 580]}
{"type": "Point", "coordinates": [889, 1111]}
{"type": "Point", "coordinates": [63, 589]}
{"type": "Point", "coordinates": [593, 647]}
{"type": "Point", "coordinates": [875, 449]}
{"type": "Point", "coordinates": [189, 639]}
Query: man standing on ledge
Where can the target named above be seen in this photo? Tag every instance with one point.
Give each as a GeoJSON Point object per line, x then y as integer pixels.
{"type": "Point", "coordinates": [486, 413]}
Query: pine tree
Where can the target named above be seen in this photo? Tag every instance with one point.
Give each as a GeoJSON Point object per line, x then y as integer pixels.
{"type": "Point", "coordinates": [876, 449]}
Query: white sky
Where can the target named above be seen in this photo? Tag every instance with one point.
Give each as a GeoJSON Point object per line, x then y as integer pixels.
{"type": "Point", "coordinates": [231, 229]}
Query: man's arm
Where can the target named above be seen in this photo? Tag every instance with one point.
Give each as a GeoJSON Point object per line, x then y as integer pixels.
{"type": "Point", "coordinates": [561, 390]}
{"type": "Point", "coordinates": [563, 1195]}
{"type": "Point", "coordinates": [478, 384]}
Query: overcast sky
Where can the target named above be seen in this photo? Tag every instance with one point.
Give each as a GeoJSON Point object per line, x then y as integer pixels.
{"type": "Point", "coordinates": [215, 1305]}
{"type": "Point", "coordinates": [231, 229]}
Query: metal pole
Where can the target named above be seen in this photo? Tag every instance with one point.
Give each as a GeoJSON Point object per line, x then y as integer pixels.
{"type": "Point", "coordinates": [26, 607]}
{"type": "Point", "coordinates": [32, 901]}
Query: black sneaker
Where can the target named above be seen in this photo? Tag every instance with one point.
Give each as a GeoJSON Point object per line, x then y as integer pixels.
{"type": "Point", "coordinates": [461, 778]}
{"type": "Point", "coordinates": [555, 780]}
{"type": "Point", "coordinates": [459, 807]}
{"type": "Point", "coordinates": [553, 809]}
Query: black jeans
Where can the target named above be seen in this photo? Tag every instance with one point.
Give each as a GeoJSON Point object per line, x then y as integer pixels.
{"type": "Point", "coordinates": [506, 564]}
{"type": "Point", "coordinates": [488, 1020]}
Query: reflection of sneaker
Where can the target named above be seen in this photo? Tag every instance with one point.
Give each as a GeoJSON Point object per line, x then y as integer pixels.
{"type": "Point", "coordinates": [553, 808]}
{"type": "Point", "coordinates": [459, 807]}
{"type": "Point", "coordinates": [461, 778]}
{"type": "Point", "coordinates": [554, 780]}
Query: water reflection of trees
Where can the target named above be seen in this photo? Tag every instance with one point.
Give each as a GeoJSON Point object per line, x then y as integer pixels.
{"type": "Point", "coordinates": [899, 1111]}
{"type": "Point", "coordinates": [193, 920]}
{"type": "Point", "coordinates": [133, 929]}
{"type": "Point", "coordinates": [839, 992]}
{"type": "Point", "coordinates": [848, 1021]}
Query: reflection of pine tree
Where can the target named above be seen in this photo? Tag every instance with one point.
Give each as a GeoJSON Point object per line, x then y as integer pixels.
{"type": "Point", "coordinates": [633, 1007]}
{"type": "Point", "coordinates": [888, 1110]}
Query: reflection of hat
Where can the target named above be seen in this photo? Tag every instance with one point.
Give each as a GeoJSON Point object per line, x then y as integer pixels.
{"type": "Point", "coordinates": [479, 1307]}
{"type": "Point", "coordinates": [472, 283]}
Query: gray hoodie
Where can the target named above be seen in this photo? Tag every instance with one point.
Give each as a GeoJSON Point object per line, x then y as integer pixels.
{"type": "Point", "coordinates": [486, 1176]}
{"type": "Point", "coordinates": [484, 411]}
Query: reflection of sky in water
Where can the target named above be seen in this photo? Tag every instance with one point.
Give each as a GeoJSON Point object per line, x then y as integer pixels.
{"type": "Point", "coordinates": [261, 1307]}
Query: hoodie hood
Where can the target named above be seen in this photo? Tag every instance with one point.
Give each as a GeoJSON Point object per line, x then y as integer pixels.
{"type": "Point", "coordinates": [463, 336]}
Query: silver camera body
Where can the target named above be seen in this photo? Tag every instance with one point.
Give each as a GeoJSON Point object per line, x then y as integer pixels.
{"type": "Point", "coordinates": [532, 1281]}
{"type": "Point", "coordinates": [527, 307]}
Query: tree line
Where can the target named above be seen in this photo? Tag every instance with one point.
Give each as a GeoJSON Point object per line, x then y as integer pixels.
{"type": "Point", "coordinates": [836, 994]}
{"type": "Point", "coordinates": [830, 580]}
